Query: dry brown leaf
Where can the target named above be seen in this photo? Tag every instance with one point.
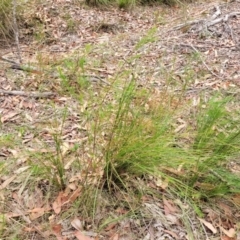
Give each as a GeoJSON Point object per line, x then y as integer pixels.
{"type": "Point", "coordinates": [161, 183]}
{"type": "Point", "coordinates": [208, 225]}
{"type": "Point", "coordinates": [32, 199]}
{"type": "Point", "coordinates": [74, 178]}
{"type": "Point", "coordinates": [230, 233]}
{"type": "Point", "coordinates": [57, 231]}
{"type": "Point", "coordinates": [72, 186]}
{"type": "Point", "coordinates": [65, 147]}
{"type": "Point", "coordinates": [169, 206]}
{"type": "Point", "coordinates": [110, 226]}
{"type": "Point", "coordinates": [69, 163]}
{"type": "Point", "coordinates": [36, 213]}
{"type": "Point", "coordinates": [74, 195]}
{"type": "Point", "coordinates": [7, 182]}
{"type": "Point", "coordinates": [29, 229]}
{"type": "Point", "coordinates": [180, 127]}
{"type": "Point", "coordinates": [17, 198]}
{"type": "Point", "coordinates": [226, 208]}
{"type": "Point", "coordinates": [76, 223]}
{"type": "Point", "coordinates": [57, 204]}
{"type": "Point", "coordinates": [227, 238]}
{"type": "Point", "coordinates": [38, 229]}
{"type": "Point", "coordinates": [80, 236]}
{"type": "Point", "coordinates": [175, 171]}
{"type": "Point", "coordinates": [114, 237]}
{"type": "Point", "coordinates": [173, 234]}
{"type": "Point", "coordinates": [9, 115]}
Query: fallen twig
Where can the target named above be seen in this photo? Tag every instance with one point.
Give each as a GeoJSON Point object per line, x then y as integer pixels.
{"type": "Point", "coordinates": [7, 60]}
{"type": "Point", "coordinates": [216, 14]}
{"type": "Point", "coordinates": [95, 78]}
{"type": "Point", "coordinates": [16, 32]}
{"type": "Point", "coordinates": [20, 67]}
{"type": "Point", "coordinates": [183, 25]}
{"type": "Point", "coordinates": [210, 23]}
{"type": "Point", "coordinates": [25, 68]}
{"type": "Point", "coordinates": [29, 94]}
{"type": "Point", "coordinates": [223, 19]}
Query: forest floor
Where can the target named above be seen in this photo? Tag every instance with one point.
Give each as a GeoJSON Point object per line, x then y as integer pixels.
{"type": "Point", "coordinates": [195, 45]}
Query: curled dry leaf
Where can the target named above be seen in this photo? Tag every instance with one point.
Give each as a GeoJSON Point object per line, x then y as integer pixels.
{"type": "Point", "coordinates": [7, 182]}
{"type": "Point", "coordinates": [64, 198]}
{"type": "Point", "coordinates": [76, 223]}
{"type": "Point", "coordinates": [173, 234]}
{"type": "Point", "coordinates": [81, 236]}
{"type": "Point", "coordinates": [57, 231]}
{"type": "Point", "coordinates": [68, 164]}
{"type": "Point", "coordinates": [57, 204]}
{"type": "Point", "coordinates": [169, 206]}
{"type": "Point", "coordinates": [115, 237]}
{"type": "Point", "coordinates": [9, 115]}
{"type": "Point", "coordinates": [36, 213]}
{"type": "Point", "coordinates": [230, 233]}
{"type": "Point", "coordinates": [208, 225]}
{"type": "Point", "coordinates": [74, 195]}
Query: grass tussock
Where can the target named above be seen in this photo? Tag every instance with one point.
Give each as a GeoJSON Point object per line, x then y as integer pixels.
{"type": "Point", "coordinates": [129, 4]}
{"type": "Point", "coordinates": [141, 140]}
{"type": "Point", "coordinates": [6, 26]}
{"type": "Point", "coordinates": [132, 135]}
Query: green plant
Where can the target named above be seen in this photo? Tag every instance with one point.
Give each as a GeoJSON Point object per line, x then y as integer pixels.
{"type": "Point", "coordinates": [50, 163]}
{"type": "Point", "coordinates": [148, 38]}
{"type": "Point", "coordinates": [126, 3]}
{"type": "Point", "coordinates": [6, 26]}
{"type": "Point", "coordinates": [72, 75]}
{"type": "Point", "coordinates": [140, 141]}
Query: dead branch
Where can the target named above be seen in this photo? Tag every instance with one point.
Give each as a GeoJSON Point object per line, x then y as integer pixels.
{"type": "Point", "coordinates": [216, 14]}
{"type": "Point", "coordinates": [223, 19]}
{"type": "Point", "coordinates": [29, 94]}
{"type": "Point", "coordinates": [208, 24]}
{"type": "Point", "coordinates": [7, 60]}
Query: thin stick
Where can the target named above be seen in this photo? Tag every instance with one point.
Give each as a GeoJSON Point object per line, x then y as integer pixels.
{"type": "Point", "coordinates": [16, 32]}
{"type": "Point", "coordinates": [29, 94]}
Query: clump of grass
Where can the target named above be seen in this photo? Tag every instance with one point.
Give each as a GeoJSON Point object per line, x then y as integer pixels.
{"type": "Point", "coordinates": [72, 75]}
{"type": "Point", "coordinates": [126, 4]}
{"type": "Point", "coordinates": [148, 38]}
{"type": "Point", "coordinates": [98, 2]}
{"type": "Point", "coordinates": [217, 139]}
{"type": "Point", "coordinates": [131, 135]}
{"type": "Point", "coordinates": [6, 26]}
{"type": "Point", "coordinates": [140, 141]}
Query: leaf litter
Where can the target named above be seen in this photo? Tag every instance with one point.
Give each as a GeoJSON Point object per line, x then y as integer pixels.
{"type": "Point", "coordinates": [212, 48]}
